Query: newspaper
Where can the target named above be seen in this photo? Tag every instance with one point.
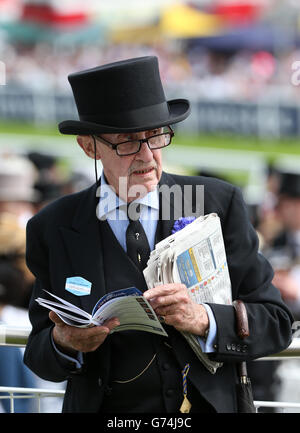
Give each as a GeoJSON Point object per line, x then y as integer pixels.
{"type": "Point", "coordinates": [196, 257]}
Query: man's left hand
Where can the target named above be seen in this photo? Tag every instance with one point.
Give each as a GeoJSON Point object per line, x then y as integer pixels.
{"type": "Point", "coordinates": [173, 302]}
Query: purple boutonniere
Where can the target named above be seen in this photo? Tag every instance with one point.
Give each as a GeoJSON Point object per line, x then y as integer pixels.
{"type": "Point", "coordinates": [181, 223]}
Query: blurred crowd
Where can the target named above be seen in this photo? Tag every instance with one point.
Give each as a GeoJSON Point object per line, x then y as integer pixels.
{"type": "Point", "coordinates": [278, 225]}
{"type": "Point", "coordinates": [277, 221]}
{"type": "Point", "coordinates": [30, 181]}
{"type": "Point", "coordinates": [242, 75]}
{"type": "Point", "coordinates": [27, 183]}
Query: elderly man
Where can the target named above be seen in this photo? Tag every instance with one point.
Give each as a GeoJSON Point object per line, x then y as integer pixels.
{"type": "Point", "coordinates": [125, 122]}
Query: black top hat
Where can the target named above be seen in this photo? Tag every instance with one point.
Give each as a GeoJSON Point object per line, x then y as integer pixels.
{"type": "Point", "coordinates": [124, 96]}
{"type": "Point", "coordinates": [290, 185]}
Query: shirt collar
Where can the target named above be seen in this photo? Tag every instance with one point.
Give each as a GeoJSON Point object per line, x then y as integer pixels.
{"type": "Point", "coordinates": [113, 202]}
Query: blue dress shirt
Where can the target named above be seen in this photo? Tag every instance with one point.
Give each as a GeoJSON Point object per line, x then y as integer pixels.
{"type": "Point", "coordinates": [113, 209]}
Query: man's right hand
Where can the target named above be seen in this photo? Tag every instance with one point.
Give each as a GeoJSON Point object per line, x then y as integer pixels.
{"type": "Point", "coordinates": [70, 339]}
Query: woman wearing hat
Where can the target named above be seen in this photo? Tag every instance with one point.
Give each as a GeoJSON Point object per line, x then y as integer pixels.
{"type": "Point", "coordinates": [125, 122]}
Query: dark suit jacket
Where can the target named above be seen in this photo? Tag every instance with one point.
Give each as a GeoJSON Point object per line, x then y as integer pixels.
{"type": "Point", "coordinates": [63, 240]}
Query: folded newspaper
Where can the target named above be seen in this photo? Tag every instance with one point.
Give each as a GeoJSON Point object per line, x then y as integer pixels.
{"type": "Point", "coordinates": [129, 305]}
{"type": "Point", "coordinates": [196, 257]}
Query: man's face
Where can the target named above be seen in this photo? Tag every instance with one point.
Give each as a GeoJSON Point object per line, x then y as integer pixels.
{"type": "Point", "coordinates": [133, 175]}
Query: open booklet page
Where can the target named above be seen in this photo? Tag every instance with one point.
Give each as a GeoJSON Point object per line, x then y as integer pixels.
{"type": "Point", "coordinates": [196, 257]}
{"type": "Point", "coordinates": [132, 309]}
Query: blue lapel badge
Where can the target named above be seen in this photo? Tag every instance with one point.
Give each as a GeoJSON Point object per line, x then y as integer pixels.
{"type": "Point", "coordinates": [78, 286]}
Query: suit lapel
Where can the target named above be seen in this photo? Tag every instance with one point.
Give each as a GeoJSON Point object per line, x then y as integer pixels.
{"type": "Point", "coordinates": [172, 205]}
{"type": "Point", "coordinates": [164, 226]}
{"type": "Point", "coordinates": [84, 248]}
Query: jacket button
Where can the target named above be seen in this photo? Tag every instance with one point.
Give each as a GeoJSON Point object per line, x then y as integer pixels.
{"type": "Point", "coordinates": [100, 382]}
{"type": "Point", "coordinates": [170, 392]}
{"type": "Point", "coordinates": [228, 346]}
{"type": "Point", "coordinates": [108, 391]}
{"type": "Point", "coordinates": [244, 348]}
{"type": "Point", "coordinates": [233, 347]}
{"type": "Point", "coordinates": [165, 366]}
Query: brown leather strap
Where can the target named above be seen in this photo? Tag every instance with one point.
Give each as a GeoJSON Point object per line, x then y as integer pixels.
{"type": "Point", "coordinates": [241, 318]}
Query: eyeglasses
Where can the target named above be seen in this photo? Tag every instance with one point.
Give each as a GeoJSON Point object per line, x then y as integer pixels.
{"type": "Point", "coordinates": [131, 147]}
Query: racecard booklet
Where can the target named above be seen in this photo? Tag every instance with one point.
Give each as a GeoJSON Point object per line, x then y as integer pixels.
{"type": "Point", "coordinates": [128, 305]}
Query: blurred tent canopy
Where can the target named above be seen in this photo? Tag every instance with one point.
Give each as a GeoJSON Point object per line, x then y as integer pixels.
{"type": "Point", "coordinates": [52, 13]}
{"type": "Point", "coordinates": [228, 25]}
{"type": "Point", "coordinates": [53, 21]}
{"type": "Point", "coordinates": [259, 36]}
{"type": "Point", "coordinates": [237, 13]}
{"type": "Point", "coordinates": [27, 32]}
{"type": "Point", "coordinates": [177, 21]}
{"type": "Point", "coordinates": [182, 21]}
{"type": "Point", "coordinates": [136, 35]}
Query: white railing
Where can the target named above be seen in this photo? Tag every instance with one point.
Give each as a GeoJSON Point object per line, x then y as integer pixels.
{"type": "Point", "coordinates": [14, 335]}
{"type": "Point", "coordinates": [17, 336]}
{"type": "Point", "coordinates": [36, 393]}
{"type": "Point", "coordinates": [291, 352]}
{"type": "Point", "coordinates": [276, 405]}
